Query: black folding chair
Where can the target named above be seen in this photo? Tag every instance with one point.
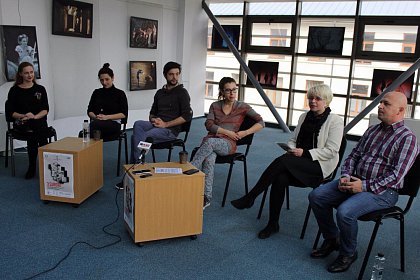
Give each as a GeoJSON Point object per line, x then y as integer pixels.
{"type": "Point", "coordinates": [120, 137]}
{"type": "Point", "coordinates": [238, 156]}
{"type": "Point", "coordinates": [185, 127]}
{"type": "Point", "coordinates": [14, 134]}
{"type": "Point", "coordinates": [326, 180]}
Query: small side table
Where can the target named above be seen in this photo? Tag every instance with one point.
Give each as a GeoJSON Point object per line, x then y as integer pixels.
{"type": "Point", "coordinates": [69, 170]}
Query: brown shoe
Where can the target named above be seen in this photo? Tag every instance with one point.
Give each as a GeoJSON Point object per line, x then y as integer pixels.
{"type": "Point", "coordinates": [327, 247]}
{"type": "Point", "coordinates": [342, 263]}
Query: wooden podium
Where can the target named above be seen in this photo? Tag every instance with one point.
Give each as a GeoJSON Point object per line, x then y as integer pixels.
{"type": "Point", "coordinates": [70, 170]}
{"type": "Point", "coordinates": [163, 205]}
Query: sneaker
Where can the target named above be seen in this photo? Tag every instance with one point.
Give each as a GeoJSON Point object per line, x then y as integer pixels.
{"type": "Point", "coordinates": [119, 186]}
{"type": "Point", "coordinates": [206, 202]}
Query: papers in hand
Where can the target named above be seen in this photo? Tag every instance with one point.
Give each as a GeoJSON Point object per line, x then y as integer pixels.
{"type": "Point", "coordinates": [284, 146]}
{"type": "Point", "coordinates": [162, 170]}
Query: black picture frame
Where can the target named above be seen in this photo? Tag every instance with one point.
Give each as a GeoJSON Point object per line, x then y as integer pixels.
{"type": "Point", "coordinates": [382, 79]}
{"type": "Point", "coordinates": [143, 33]}
{"type": "Point", "coordinates": [325, 40]}
{"type": "Point", "coordinates": [72, 18]}
{"type": "Point", "coordinates": [142, 75]}
{"type": "Point", "coordinates": [218, 43]}
{"type": "Point", "coordinates": [19, 45]}
{"type": "Point", "coordinates": [265, 73]}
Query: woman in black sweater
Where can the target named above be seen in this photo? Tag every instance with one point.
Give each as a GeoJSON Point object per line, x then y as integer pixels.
{"type": "Point", "coordinates": [107, 106]}
{"type": "Point", "coordinates": [28, 105]}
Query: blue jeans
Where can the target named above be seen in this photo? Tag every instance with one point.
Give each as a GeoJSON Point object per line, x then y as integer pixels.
{"type": "Point", "coordinates": [349, 207]}
{"type": "Point", "coordinates": [144, 129]}
{"type": "Point", "coordinates": [205, 159]}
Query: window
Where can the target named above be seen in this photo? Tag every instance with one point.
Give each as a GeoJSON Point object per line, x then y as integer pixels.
{"type": "Point", "coordinates": [386, 38]}
{"type": "Point", "coordinates": [357, 105]}
{"type": "Point", "coordinates": [368, 38]}
{"type": "Point", "coordinates": [270, 34]}
{"type": "Point", "coordinates": [209, 87]}
{"type": "Point", "coordinates": [209, 35]}
{"type": "Point", "coordinates": [278, 37]}
{"type": "Point", "coordinates": [274, 95]}
{"type": "Point", "coordinates": [409, 43]}
{"type": "Point", "coordinates": [408, 46]}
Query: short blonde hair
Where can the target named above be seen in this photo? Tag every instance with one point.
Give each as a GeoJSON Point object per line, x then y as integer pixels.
{"type": "Point", "coordinates": [322, 91]}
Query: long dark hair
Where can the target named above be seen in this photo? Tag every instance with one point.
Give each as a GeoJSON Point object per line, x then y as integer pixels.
{"type": "Point", "coordinates": [18, 77]}
{"type": "Point", "coordinates": [106, 70]}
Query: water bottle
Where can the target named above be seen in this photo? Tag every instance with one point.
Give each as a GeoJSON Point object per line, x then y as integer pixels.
{"type": "Point", "coordinates": [85, 131]}
{"type": "Point", "coordinates": [378, 267]}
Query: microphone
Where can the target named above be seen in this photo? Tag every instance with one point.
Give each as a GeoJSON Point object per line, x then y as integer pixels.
{"type": "Point", "coordinates": [144, 147]}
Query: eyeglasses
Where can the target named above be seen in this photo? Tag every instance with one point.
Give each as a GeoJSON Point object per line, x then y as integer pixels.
{"type": "Point", "coordinates": [228, 90]}
{"type": "Point", "coordinates": [317, 98]}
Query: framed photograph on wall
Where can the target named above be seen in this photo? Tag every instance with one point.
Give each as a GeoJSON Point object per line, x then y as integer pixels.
{"type": "Point", "coordinates": [265, 73]}
{"type": "Point", "coordinates": [383, 78]}
{"type": "Point", "coordinates": [232, 32]}
{"type": "Point", "coordinates": [143, 33]}
{"type": "Point", "coordinates": [142, 75]}
{"type": "Point", "coordinates": [325, 40]}
{"type": "Point", "coordinates": [19, 45]}
{"type": "Point", "coordinates": [72, 18]}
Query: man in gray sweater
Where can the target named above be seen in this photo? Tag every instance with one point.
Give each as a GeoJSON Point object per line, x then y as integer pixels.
{"type": "Point", "coordinates": [170, 109]}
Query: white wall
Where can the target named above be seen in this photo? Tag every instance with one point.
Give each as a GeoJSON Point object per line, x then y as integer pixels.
{"type": "Point", "coordinates": [69, 65]}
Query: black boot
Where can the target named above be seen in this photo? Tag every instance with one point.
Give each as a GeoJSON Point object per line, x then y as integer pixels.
{"type": "Point", "coordinates": [31, 172]}
{"type": "Point", "coordinates": [244, 202]}
{"type": "Point", "coordinates": [271, 228]}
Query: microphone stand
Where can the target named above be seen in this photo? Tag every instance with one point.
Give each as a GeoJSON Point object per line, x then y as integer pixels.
{"type": "Point", "coordinates": [141, 160]}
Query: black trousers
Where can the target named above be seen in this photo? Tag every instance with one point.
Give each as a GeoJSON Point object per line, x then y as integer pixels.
{"type": "Point", "coordinates": [110, 130]}
{"type": "Point", "coordinates": [36, 131]}
{"type": "Point", "coordinates": [284, 171]}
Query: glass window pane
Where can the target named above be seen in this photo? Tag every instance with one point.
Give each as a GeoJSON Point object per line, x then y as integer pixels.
{"type": "Point", "coordinates": [360, 127]}
{"type": "Point", "coordinates": [338, 105]}
{"type": "Point", "coordinates": [390, 8]}
{"type": "Point", "coordinates": [267, 8]}
{"type": "Point", "coordinates": [221, 64]}
{"type": "Point", "coordinates": [220, 9]}
{"type": "Point", "coordinates": [253, 98]}
{"type": "Point", "coordinates": [389, 38]}
{"type": "Point", "coordinates": [331, 8]}
{"type": "Point", "coordinates": [271, 34]}
{"type": "Point", "coordinates": [333, 72]}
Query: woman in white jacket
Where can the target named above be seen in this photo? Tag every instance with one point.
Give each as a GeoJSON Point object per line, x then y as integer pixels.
{"type": "Point", "coordinates": [313, 156]}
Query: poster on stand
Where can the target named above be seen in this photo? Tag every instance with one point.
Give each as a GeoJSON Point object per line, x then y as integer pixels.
{"type": "Point", "coordinates": [58, 175]}
{"type": "Point", "coordinates": [129, 202]}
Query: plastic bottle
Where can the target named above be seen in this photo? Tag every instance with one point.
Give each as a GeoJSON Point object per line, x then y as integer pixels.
{"type": "Point", "coordinates": [378, 267]}
{"type": "Point", "coordinates": [85, 131]}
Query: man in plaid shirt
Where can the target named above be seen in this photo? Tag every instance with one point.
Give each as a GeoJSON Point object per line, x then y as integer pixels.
{"type": "Point", "coordinates": [370, 179]}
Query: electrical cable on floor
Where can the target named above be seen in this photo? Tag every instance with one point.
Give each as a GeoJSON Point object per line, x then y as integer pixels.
{"type": "Point", "coordinates": [87, 243]}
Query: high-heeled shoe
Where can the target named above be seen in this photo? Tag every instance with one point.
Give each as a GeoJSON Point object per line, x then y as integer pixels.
{"type": "Point", "coordinates": [243, 202]}
{"type": "Point", "coordinates": [270, 229]}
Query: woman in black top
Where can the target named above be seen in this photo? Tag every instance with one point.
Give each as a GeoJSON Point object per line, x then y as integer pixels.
{"type": "Point", "coordinates": [107, 106]}
{"type": "Point", "coordinates": [28, 104]}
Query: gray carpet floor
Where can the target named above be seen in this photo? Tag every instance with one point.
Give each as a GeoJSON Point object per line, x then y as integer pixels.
{"type": "Point", "coordinates": [35, 236]}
